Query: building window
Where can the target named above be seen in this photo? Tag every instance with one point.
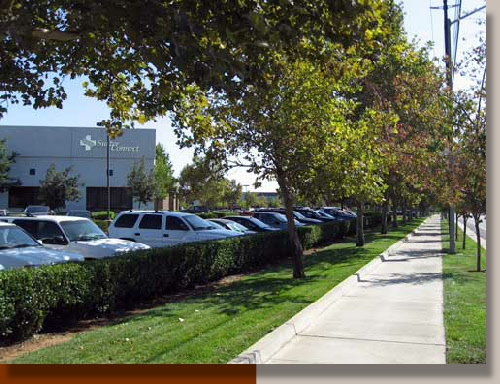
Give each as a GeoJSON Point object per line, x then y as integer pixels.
{"type": "Point", "coordinates": [97, 199]}
{"type": "Point", "coordinates": [110, 172]}
{"type": "Point", "coordinates": [20, 197]}
{"type": "Point", "coordinates": [32, 171]}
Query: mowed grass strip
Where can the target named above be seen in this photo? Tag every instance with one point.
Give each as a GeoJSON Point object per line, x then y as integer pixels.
{"type": "Point", "coordinates": [464, 301]}
{"type": "Point", "coordinates": [214, 325]}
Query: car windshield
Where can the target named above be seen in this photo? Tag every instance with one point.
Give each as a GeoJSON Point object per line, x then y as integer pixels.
{"type": "Point", "coordinates": [216, 225]}
{"type": "Point", "coordinates": [298, 215]}
{"type": "Point", "coordinates": [82, 230]}
{"type": "Point", "coordinates": [281, 217]}
{"type": "Point", "coordinates": [324, 214]}
{"type": "Point", "coordinates": [257, 222]}
{"type": "Point", "coordinates": [80, 213]}
{"type": "Point", "coordinates": [197, 223]}
{"type": "Point", "coordinates": [37, 209]}
{"type": "Point", "coordinates": [237, 227]}
{"type": "Point", "coordinates": [13, 237]}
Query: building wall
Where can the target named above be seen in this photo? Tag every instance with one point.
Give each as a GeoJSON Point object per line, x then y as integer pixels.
{"type": "Point", "coordinates": [83, 148]}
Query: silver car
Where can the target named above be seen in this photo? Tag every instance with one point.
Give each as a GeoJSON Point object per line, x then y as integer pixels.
{"type": "Point", "coordinates": [74, 234]}
{"type": "Point", "coordinates": [18, 249]}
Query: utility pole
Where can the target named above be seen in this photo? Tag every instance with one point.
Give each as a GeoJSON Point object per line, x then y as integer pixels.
{"type": "Point", "coordinates": [449, 79]}
{"type": "Point", "coordinates": [108, 190]}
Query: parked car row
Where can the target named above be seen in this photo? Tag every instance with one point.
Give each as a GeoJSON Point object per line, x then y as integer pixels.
{"type": "Point", "coordinates": [39, 238]}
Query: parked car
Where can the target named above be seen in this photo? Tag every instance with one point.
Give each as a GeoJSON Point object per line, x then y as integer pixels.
{"type": "Point", "coordinates": [37, 210]}
{"type": "Point", "coordinates": [80, 213]}
{"type": "Point", "coordinates": [19, 249]}
{"type": "Point", "coordinates": [232, 225]}
{"type": "Point", "coordinates": [74, 234]}
{"type": "Point", "coordinates": [274, 219]}
{"type": "Point", "coordinates": [251, 223]}
{"type": "Point", "coordinates": [311, 214]}
{"type": "Point", "coordinates": [339, 213]}
{"type": "Point", "coordinates": [162, 228]}
{"type": "Point", "coordinates": [298, 216]}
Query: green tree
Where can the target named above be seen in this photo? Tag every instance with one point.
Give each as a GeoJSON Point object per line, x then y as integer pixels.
{"type": "Point", "coordinates": [6, 159]}
{"type": "Point", "coordinates": [58, 187]}
{"type": "Point", "coordinates": [138, 56]}
{"type": "Point", "coordinates": [287, 131]}
{"type": "Point", "coordinates": [470, 140]}
{"type": "Point", "coordinates": [251, 199]}
{"type": "Point", "coordinates": [231, 193]}
{"type": "Point", "coordinates": [141, 183]}
{"type": "Point", "coordinates": [163, 173]}
{"type": "Point", "coordinates": [203, 180]}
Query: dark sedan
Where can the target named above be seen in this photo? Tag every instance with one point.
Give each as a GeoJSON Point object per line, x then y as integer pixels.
{"type": "Point", "coordinates": [310, 214]}
{"type": "Point", "coordinates": [251, 223]}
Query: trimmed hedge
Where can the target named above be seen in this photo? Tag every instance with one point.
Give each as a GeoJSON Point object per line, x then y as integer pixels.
{"type": "Point", "coordinates": [32, 298]}
{"type": "Point", "coordinates": [103, 215]}
{"type": "Point", "coordinates": [103, 224]}
{"type": "Point", "coordinates": [215, 214]}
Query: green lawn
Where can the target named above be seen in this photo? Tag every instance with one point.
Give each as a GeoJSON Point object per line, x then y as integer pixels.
{"type": "Point", "coordinates": [214, 325]}
{"type": "Point", "coordinates": [464, 302]}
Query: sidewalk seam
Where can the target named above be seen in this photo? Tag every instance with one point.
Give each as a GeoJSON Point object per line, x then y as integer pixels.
{"type": "Point", "coordinates": [374, 340]}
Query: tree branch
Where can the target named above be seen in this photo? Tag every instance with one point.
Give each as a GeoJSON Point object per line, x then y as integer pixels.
{"type": "Point", "coordinates": [55, 35]}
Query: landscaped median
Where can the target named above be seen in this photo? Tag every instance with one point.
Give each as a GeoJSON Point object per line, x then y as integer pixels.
{"type": "Point", "coordinates": [464, 301]}
{"type": "Point", "coordinates": [215, 323]}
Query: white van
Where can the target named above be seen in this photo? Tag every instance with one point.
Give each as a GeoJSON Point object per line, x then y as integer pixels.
{"type": "Point", "coordinates": [162, 229]}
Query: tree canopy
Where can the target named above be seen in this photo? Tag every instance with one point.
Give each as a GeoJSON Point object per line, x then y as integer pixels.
{"type": "Point", "coordinates": [138, 56]}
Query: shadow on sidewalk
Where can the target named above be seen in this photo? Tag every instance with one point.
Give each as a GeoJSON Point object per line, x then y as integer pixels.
{"type": "Point", "coordinates": [398, 278]}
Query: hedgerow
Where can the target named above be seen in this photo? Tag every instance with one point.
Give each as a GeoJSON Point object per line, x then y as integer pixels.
{"type": "Point", "coordinates": [32, 298]}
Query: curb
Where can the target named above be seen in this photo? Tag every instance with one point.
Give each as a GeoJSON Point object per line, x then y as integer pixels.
{"type": "Point", "coordinates": [267, 346]}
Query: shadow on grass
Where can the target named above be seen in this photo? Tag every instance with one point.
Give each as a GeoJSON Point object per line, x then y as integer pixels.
{"type": "Point", "coordinates": [264, 289]}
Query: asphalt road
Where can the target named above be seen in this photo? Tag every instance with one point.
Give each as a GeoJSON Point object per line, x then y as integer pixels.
{"type": "Point", "coordinates": [472, 227]}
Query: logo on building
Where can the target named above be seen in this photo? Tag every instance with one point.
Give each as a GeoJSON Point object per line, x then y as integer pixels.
{"type": "Point", "coordinates": [88, 143]}
{"type": "Point", "coordinates": [114, 146]}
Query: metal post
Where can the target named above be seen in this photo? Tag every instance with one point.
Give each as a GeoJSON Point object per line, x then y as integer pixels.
{"type": "Point", "coordinates": [449, 78]}
{"type": "Point", "coordinates": [107, 175]}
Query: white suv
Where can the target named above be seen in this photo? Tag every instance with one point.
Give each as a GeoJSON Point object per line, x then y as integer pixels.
{"type": "Point", "coordinates": [161, 228]}
{"type": "Point", "coordinates": [74, 234]}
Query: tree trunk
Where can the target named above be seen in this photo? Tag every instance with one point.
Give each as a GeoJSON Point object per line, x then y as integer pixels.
{"type": "Point", "coordinates": [404, 214]}
{"type": "Point", "coordinates": [385, 208]}
{"type": "Point", "coordinates": [360, 238]}
{"type": "Point", "coordinates": [296, 246]}
{"type": "Point", "coordinates": [456, 226]}
{"type": "Point", "coordinates": [465, 230]}
{"type": "Point", "coordinates": [478, 240]}
{"type": "Point", "coordinates": [394, 217]}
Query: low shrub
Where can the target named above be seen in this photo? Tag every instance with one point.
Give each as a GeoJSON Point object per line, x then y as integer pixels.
{"type": "Point", "coordinates": [103, 215]}
{"type": "Point", "coordinates": [103, 224]}
{"type": "Point", "coordinates": [32, 298]}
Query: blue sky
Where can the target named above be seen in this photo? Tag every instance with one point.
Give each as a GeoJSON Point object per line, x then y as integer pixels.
{"type": "Point", "coordinates": [420, 21]}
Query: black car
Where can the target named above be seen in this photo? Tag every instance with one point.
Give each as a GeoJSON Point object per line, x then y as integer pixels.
{"type": "Point", "coordinates": [251, 223]}
{"type": "Point", "coordinates": [298, 216]}
{"type": "Point", "coordinates": [310, 214]}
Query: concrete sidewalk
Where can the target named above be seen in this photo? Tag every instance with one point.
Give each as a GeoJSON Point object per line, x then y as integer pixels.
{"type": "Point", "coordinates": [392, 314]}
